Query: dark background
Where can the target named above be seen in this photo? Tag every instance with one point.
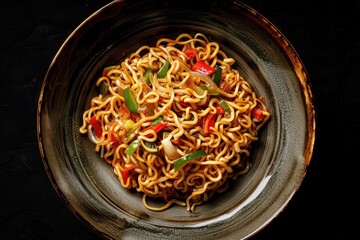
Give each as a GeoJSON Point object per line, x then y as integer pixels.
{"type": "Point", "coordinates": [326, 37]}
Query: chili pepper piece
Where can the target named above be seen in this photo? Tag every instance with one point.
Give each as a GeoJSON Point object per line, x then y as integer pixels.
{"type": "Point", "coordinates": [180, 162]}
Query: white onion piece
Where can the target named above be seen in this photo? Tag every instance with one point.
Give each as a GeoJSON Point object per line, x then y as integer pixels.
{"type": "Point", "coordinates": [92, 136]}
{"type": "Point", "coordinates": [212, 88]}
{"type": "Point", "coordinates": [169, 149]}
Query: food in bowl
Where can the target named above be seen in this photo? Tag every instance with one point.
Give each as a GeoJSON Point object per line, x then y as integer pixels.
{"type": "Point", "coordinates": [175, 121]}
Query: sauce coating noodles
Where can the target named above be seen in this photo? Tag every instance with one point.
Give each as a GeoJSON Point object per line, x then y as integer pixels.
{"type": "Point", "coordinates": [175, 121]}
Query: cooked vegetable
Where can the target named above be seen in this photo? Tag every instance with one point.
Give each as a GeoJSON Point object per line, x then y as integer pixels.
{"type": "Point", "coordinates": [102, 88]}
{"type": "Point", "coordinates": [179, 163]}
{"type": "Point", "coordinates": [217, 75]}
{"type": "Point", "coordinates": [132, 147]}
{"type": "Point", "coordinates": [163, 70]}
{"type": "Point", "coordinates": [130, 100]}
{"type": "Point", "coordinates": [208, 84]}
{"type": "Point", "coordinates": [126, 172]}
{"type": "Point", "coordinates": [220, 110]}
{"type": "Point", "coordinates": [257, 113]}
{"type": "Point", "coordinates": [191, 52]}
{"type": "Point", "coordinates": [96, 126]}
{"type": "Point", "coordinates": [209, 122]}
{"type": "Point", "coordinates": [169, 149]}
{"type": "Point", "coordinates": [156, 127]}
{"type": "Point", "coordinates": [147, 75]}
{"type": "Point", "coordinates": [202, 67]}
{"type": "Point", "coordinates": [223, 103]}
{"type": "Point", "coordinates": [157, 120]}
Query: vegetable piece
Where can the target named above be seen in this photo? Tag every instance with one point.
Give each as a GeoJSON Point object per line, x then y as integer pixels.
{"type": "Point", "coordinates": [124, 113]}
{"type": "Point", "coordinates": [209, 122]}
{"type": "Point", "coordinates": [198, 89]}
{"type": "Point", "coordinates": [220, 110]}
{"type": "Point", "coordinates": [114, 142]}
{"type": "Point", "coordinates": [129, 124]}
{"type": "Point", "coordinates": [191, 52]}
{"type": "Point", "coordinates": [202, 67]}
{"type": "Point", "coordinates": [223, 103]}
{"type": "Point", "coordinates": [102, 88]}
{"type": "Point", "coordinates": [169, 149]}
{"type": "Point", "coordinates": [217, 75]}
{"type": "Point", "coordinates": [166, 134]}
{"type": "Point", "coordinates": [146, 76]}
{"type": "Point", "coordinates": [96, 126]}
{"type": "Point", "coordinates": [157, 120]}
{"type": "Point", "coordinates": [156, 127]}
{"type": "Point", "coordinates": [163, 70]}
{"type": "Point", "coordinates": [108, 69]}
{"type": "Point", "coordinates": [132, 147]}
{"type": "Point", "coordinates": [182, 103]}
{"type": "Point", "coordinates": [209, 84]}
{"type": "Point", "coordinates": [152, 145]}
{"type": "Point", "coordinates": [187, 158]}
{"type": "Point", "coordinates": [257, 113]}
{"type": "Point", "coordinates": [130, 100]}
{"type": "Point", "coordinates": [126, 172]}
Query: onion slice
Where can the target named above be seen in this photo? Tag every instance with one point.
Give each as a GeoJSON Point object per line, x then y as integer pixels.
{"type": "Point", "coordinates": [209, 83]}
{"type": "Point", "coordinates": [170, 149]}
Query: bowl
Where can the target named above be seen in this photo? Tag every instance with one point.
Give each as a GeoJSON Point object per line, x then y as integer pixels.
{"type": "Point", "coordinates": [264, 57]}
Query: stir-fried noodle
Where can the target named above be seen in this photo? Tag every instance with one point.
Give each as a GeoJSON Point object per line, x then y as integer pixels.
{"type": "Point", "coordinates": [175, 121]}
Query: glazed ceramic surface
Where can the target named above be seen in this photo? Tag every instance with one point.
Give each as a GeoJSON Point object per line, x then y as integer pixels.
{"type": "Point", "coordinates": [264, 57]}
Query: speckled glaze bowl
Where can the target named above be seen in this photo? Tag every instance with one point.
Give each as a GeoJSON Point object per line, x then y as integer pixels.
{"type": "Point", "coordinates": [264, 57]}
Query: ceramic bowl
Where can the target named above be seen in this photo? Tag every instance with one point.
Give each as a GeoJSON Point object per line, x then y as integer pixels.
{"type": "Point", "coordinates": [264, 57]}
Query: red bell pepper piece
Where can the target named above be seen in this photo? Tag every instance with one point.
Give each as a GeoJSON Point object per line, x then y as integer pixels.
{"type": "Point", "coordinates": [220, 110]}
{"type": "Point", "coordinates": [209, 122]}
{"type": "Point", "coordinates": [157, 127]}
{"type": "Point", "coordinates": [126, 172]}
{"type": "Point", "coordinates": [209, 119]}
{"type": "Point", "coordinates": [257, 113]}
{"type": "Point", "coordinates": [182, 103]}
{"type": "Point", "coordinates": [201, 66]}
{"type": "Point", "coordinates": [96, 126]}
{"type": "Point", "coordinates": [191, 52]}
{"type": "Point", "coordinates": [114, 142]}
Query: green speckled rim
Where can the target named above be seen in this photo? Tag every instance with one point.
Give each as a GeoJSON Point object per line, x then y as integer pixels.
{"type": "Point", "coordinates": [264, 57]}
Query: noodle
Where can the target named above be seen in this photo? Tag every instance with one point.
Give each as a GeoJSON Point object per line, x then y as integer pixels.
{"type": "Point", "coordinates": [175, 121]}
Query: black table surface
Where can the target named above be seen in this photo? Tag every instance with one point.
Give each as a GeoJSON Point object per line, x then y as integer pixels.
{"type": "Point", "coordinates": [326, 37]}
